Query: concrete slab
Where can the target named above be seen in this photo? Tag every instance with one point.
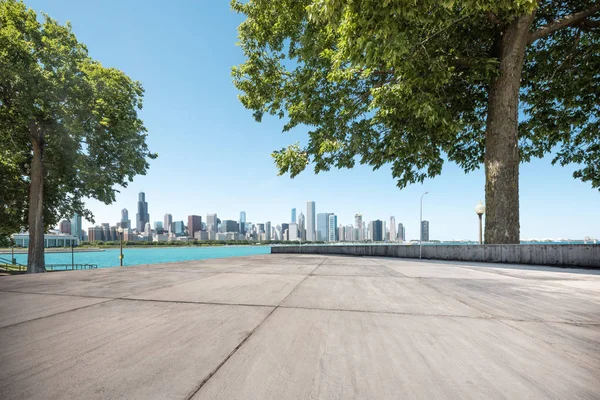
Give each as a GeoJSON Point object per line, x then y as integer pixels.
{"type": "Point", "coordinates": [311, 354]}
{"type": "Point", "coordinates": [20, 307]}
{"type": "Point", "coordinates": [279, 269]}
{"type": "Point", "coordinates": [108, 283]}
{"type": "Point", "coordinates": [229, 288]}
{"type": "Point", "coordinates": [121, 350]}
{"type": "Point", "coordinates": [523, 300]}
{"type": "Point", "coordinates": [382, 294]}
{"type": "Point", "coordinates": [356, 270]}
{"type": "Point", "coordinates": [449, 271]}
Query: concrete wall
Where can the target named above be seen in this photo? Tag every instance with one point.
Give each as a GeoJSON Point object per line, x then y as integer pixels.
{"type": "Point", "coordinates": [576, 255]}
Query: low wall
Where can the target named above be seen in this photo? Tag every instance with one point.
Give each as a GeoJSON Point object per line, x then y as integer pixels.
{"type": "Point", "coordinates": [566, 255]}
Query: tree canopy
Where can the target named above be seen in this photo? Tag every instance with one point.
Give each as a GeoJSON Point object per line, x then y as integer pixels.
{"type": "Point", "coordinates": [69, 127]}
{"type": "Point", "coordinates": [407, 83]}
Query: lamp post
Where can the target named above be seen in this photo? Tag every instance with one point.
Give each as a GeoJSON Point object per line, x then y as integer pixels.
{"type": "Point", "coordinates": [120, 230]}
{"type": "Point", "coordinates": [480, 210]}
{"type": "Point", "coordinates": [421, 226]}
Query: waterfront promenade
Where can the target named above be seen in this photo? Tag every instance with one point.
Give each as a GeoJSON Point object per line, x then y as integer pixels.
{"type": "Point", "coordinates": [286, 326]}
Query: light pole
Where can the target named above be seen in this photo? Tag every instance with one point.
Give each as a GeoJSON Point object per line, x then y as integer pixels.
{"type": "Point", "coordinates": [421, 226]}
{"type": "Point", "coordinates": [480, 210]}
{"type": "Point", "coordinates": [120, 230]}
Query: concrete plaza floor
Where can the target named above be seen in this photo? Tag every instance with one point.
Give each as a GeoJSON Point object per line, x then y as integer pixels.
{"type": "Point", "coordinates": [302, 327]}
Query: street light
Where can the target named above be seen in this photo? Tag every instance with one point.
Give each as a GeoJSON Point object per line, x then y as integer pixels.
{"type": "Point", "coordinates": [421, 226]}
{"type": "Point", "coordinates": [120, 230]}
{"type": "Point", "coordinates": [480, 210]}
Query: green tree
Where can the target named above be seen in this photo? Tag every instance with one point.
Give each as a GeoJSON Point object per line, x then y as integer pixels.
{"type": "Point", "coordinates": [69, 127]}
{"type": "Point", "coordinates": [416, 83]}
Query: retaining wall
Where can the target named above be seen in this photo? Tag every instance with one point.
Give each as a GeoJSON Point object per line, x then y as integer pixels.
{"type": "Point", "coordinates": [566, 255]}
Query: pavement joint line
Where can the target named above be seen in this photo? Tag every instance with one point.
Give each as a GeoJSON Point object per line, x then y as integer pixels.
{"type": "Point", "coordinates": [195, 302]}
{"type": "Point", "coordinates": [59, 294]}
{"type": "Point", "coordinates": [213, 372]}
{"type": "Point", "coordinates": [390, 269]}
{"type": "Point", "coordinates": [58, 313]}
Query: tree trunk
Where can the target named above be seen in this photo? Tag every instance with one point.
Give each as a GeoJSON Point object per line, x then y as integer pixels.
{"type": "Point", "coordinates": [501, 138]}
{"type": "Point", "coordinates": [35, 257]}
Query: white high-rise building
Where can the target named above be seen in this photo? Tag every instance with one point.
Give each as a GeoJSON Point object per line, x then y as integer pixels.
{"type": "Point", "coordinates": [167, 222]}
{"type": "Point", "coordinates": [302, 226]}
{"type": "Point", "coordinates": [148, 229]}
{"type": "Point", "coordinates": [268, 230]}
{"type": "Point", "coordinates": [293, 231]}
{"type": "Point", "coordinates": [310, 221]}
{"type": "Point", "coordinates": [393, 229]}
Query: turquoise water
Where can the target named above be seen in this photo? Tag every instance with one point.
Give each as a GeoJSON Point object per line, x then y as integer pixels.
{"type": "Point", "coordinates": [110, 257]}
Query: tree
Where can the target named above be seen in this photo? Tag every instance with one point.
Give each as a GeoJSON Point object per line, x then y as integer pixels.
{"type": "Point", "coordinates": [417, 83]}
{"type": "Point", "coordinates": [69, 127]}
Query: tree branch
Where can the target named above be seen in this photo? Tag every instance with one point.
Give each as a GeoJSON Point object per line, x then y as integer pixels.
{"type": "Point", "coordinates": [563, 22]}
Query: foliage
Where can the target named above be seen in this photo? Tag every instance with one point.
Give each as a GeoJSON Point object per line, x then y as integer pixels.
{"type": "Point", "coordinates": [406, 83]}
{"type": "Point", "coordinates": [86, 116]}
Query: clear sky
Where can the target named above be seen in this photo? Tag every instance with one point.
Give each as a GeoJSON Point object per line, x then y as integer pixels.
{"type": "Point", "coordinates": [213, 157]}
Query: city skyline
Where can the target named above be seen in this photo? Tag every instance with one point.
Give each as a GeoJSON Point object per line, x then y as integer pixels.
{"type": "Point", "coordinates": [183, 125]}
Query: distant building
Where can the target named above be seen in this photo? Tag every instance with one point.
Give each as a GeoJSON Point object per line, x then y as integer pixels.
{"type": "Point", "coordinates": [284, 227]}
{"type": "Point", "coordinates": [393, 235]}
{"type": "Point", "coordinates": [358, 225]}
{"type": "Point", "coordinates": [322, 227]}
{"type": "Point", "coordinates": [425, 231]}
{"type": "Point", "coordinates": [376, 229]}
{"type": "Point", "coordinates": [201, 235]}
{"type": "Point", "coordinates": [168, 220]}
{"type": "Point", "coordinates": [401, 233]}
{"type": "Point", "coordinates": [65, 227]}
{"type": "Point", "coordinates": [194, 224]}
{"type": "Point", "coordinates": [310, 221]}
{"type": "Point", "coordinates": [268, 230]}
{"type": "Point", "coordinates": [260, 228]}
{"type": "Point", "coordinates": [332, 231]}
{"type": "Point", "coordinates": [95, 234]}
{"type": "Point", "coordinates": [106, 232]}
{"type": "Point", "coordinates": [229, 225]}
{"type": "Point", "coordinates": [142, 215]}
{"type": "Point", "coordinates": [158, 225]}
{"type": "Point", "coordinates": [302, 226]}
{"type": "Point", "coordinates": [160, 237]}
{"type": "Point", "coordinates": [76, 228]}
{"type": "Point", "coordinates": [243, 222]}
{"type": "Point", "coordinates": [212, 223]}
{"type": "Point", "coordinates": [293, 231]}
{"type": "Point", "coordinates": [293, 215]}
{"type": "Point", "coordinates": [341, 233]}
{"type": "Point", "coordinates": [50, 240]}
{"type": "Point", "coordinates": [178, 228]}
{"type": "Point", "coordinates": [148, 229]}
{"type": "Point", "coordinates": [125, 222]}
{"type": "Point", "coordinates": [349, 232]}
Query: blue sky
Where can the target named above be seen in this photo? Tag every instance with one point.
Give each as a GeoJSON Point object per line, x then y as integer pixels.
{"type": "Point", "coordinates": [213, 157]}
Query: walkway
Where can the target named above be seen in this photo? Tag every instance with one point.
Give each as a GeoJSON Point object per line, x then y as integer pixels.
{"type": "Point", "coordinates": [301, 327]}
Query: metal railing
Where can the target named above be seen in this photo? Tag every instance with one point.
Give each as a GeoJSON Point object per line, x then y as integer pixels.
{"type": "Point", "coordinates": [7, 265]}
{"type": "Point", "coordinates": [69, 267]}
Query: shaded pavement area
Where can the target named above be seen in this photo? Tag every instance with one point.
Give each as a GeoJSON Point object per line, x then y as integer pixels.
{"type": "Point", "coordinates": [285, 326]}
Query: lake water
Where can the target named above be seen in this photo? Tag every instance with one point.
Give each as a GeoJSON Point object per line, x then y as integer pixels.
{"type": "Point", "coordinates": [155, 255]}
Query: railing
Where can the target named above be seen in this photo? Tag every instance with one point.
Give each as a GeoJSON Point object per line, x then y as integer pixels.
{"type": "Point", "coordinates": [7, 265]}
{"type": "Point", "coordinates": [69, 267]}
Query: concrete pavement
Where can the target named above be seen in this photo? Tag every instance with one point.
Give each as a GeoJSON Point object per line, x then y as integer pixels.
{"type": "Point", "coordinates": [288, 326]}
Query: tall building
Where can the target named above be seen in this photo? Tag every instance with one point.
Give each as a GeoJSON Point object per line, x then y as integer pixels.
{"type": "Point", "coordinates": [142, 213]}
{"type": "Point", "coordinates": [401, 232]}
{"type": "Point", "coordinates": [243, 222]}
{"type": "Point", "coordinates": [178, 228]}
{"type": "Point", "coordinates": [383, 231]}
{"type": "Point", "coordinates": [148, 229]}
{"type": "Point", "coordinates": [268, 230]}
{"type": "Point", "coordinates": [167, 222]}
{"type": "Point", "coordinates": [229, 225]}
{"type": "Point", "coordinates": [194, 224]}
{"type": "Point", "coordinates": [212, 223]}
{"type": "Point", "coordinates": [293, 231]}
{"type": "Point", "coordinates": [393, 235]}
{"type": "Point", "coordinates": [260, 228]}
{"type": "Point", "coordinates": [65, 226]}
{"type": "Point", "coordinates": [350, 236]}
{"type": "Point", "coordinates": [310, 221]}
{"type": "Point", "coordinates": [359, 231]}
{"type": "Point", "coordinates": [76, 228]}
{"type": "Point", "coordinates": [376, 228]}
{"type": "Point", "coordinates": [332, 232]}
{"type": "Point", "coordinates": [341, 233]}
{"type": "Point", "coordinates": [106, 232]}
{"type": "Point", "coordinates": [293, 215]}
{"type": "Point", "coordinates": [125, 222]}
{"type": "Point", "coordinates": [425, 231]}
{"type": "Point", "coordinates": [302, 226]}
{"type": "Point", "coordinates": [323, 227]}
{"type": "Point", "coordinates": [95, 233]}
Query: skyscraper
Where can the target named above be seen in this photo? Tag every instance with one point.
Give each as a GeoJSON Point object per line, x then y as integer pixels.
{"type": "Point", "coordinates": [310, 221]}
{"type": "Point", "coordinates": [301, 226]}
{"type": "Point", "coordinates": [125, 222]}
{"type": "Point", "coordinates": [376, 228]}
{"type": "Point", "coordinates": [194, 224]}
{"type": "Point", "coordinates": [177, 228]}
{"type": "Point", "coordinates": [76, 228]}
{"type": "Point", "coordinates": [243, 222]}
{"type": "Point", "coordinates": [332, 232]}
{"type": "Point", "coordinates": [293, 231]}
{"type": "Point", "coordinates": [167, 222]}
{"type": "Point", "coordinates": [425, 231]}
{"type": "Point", "coordinates": [293, 215]}
{"type": "Point", "coordinates": [358, 224]}
{"type": "Point", "coordinates": [65, 226]}
{"type": "Point", "coordinates": [393, 235]}
{"type": "Point", "coordinates": [148, 229]}
{"type": "Point", "coordinates": [142, 213]}
{"type": "Point", "coordinates": [229, 225]}
{"type": "Point", "coordinates": [212, 223]}
{"type": "Point", "coordinates": [322, 227]}
{"type": "Point", "coordinates": [401, 232]}
{"type": "Point", "coordinates": [268, 230]}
